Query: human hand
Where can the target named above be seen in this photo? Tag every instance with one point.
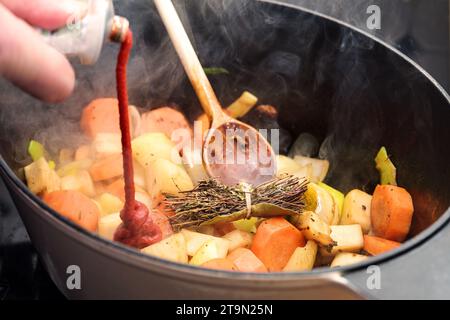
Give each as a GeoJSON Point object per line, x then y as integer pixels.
{"type": "Point", "coordinates": [25, 59]}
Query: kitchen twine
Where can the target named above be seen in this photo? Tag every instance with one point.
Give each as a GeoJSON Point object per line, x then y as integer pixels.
{"type": "Point", "coordinates": [247, 189]}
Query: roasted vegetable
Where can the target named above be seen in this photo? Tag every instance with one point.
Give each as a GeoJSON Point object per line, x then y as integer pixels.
{"type": "Point", "coordinates": [275, 241]}
{"type": "Point", "coordinates": [347, 258]}
{"type": "Point", "coordinates": [391, 212]}
{"type": "Point", "coordinates": [303, 258]}
{"type": "Point", "coordinates": [356, 210]}
{"type": "Point", "coordinates": [348, 238]}
{"type": "Point", "coordinates": [41, 178]}
{"type": "Point", "coordinates": [386, 168]}
{"type": "Point", "coordinates": [314, 228]}
{"type": "Point", "coordinates": [172, 248]}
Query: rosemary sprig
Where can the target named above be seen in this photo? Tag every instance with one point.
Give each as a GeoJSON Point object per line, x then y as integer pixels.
{"type": "Point", "coordinates": [212, 200]}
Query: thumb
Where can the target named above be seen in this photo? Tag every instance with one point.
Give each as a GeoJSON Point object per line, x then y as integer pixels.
{"type": "Point", "coordinates": [29, 63]}
{"type": "Point", "coordinates": [46, 14]}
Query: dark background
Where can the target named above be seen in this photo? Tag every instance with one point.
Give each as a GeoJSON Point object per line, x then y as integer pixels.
{"type": "Point", "coordinates": [418, 28]}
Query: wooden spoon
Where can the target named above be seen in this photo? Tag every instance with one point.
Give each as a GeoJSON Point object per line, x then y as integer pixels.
{"type": "Point", "coordinates": [233, 151]}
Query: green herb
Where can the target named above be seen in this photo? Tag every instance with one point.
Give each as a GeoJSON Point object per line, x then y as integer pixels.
{"type": "Point", "coordinates": [215, 71]}
{"type": "Point", "coordinates": [212, 202]}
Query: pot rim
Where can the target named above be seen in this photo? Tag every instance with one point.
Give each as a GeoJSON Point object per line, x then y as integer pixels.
{"type": "Point", "coordinates": [133, 256]}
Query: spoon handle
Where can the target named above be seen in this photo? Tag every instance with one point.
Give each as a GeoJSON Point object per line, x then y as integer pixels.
{"type": "Point", "coordinates": [189, 59]}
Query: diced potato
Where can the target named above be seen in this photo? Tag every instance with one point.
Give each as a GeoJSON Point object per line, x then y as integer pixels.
{"type": "Point", "coordinates": [313, 227]}
{"type": "Point", "coordinates": [347, 258]}
{"type": "Point", "coordinates": [106, 144]}
{"type": "Point", "coordinates": [152, 146]}
{"type": "Point", "coordinates": [286, 165]}
{"type": "Point", "coordinates": [172, 248]}
{"type": "Point", "coordinates": [40, 178]}
{"type": "Point", "coordinates": [194, 240]}
{"type": "Point", "coordinates": [139, 175]}
{"type": "Point", "coordinates": [81, 181]}
{"type": "Point", "coordinates": [238, 239]}
{"type": "Point", "coordinates": [107, 225]}
{"type": "Point", "coordinates": [110, 203]}
{"type": "Point", "coordinates": [303, 258]}
{"type": "Point", "coordinates": [356, 209]}
{"type": "Point", "coordinates": [320, 167]}
{"type": "Point", "coordinates": [247, 225]}
{"type": "Point", "coordinates": [74, 167]}
{"type": "Point", "coordinates": [305, 172]}
{"type": "Point", "coordinates": [170, 178]}
{"type": "Point", "coordinates": [144, 198]}
{"type": "Point", "coordinates": [208, 251]}
{"type": "Point", "coordinates": [321, 202]}
{"type": "Point", "coordinates": [348, 238]}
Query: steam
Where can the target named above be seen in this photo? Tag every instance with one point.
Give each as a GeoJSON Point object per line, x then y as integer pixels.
{"type": "Point", "coordinates": [323, 80]}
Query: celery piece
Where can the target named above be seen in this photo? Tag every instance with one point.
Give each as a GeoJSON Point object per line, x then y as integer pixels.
{"type": "Point", "coordinates": [386, 168]}
{"type": "Point", "coordinates": [52, 164]}
{"type": "Point", "coordinates": [35, 150]}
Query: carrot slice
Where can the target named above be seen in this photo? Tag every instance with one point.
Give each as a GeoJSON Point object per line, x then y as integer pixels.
{"type": "Point", "coordinates": [75, 206]}
{"type": "Point", "coordinates": [107, 168]}
{"type": "Point", "coordinates": [165, 120]}
{"type": "Point", "coordinates": [246, 261]}
{"type": "Point", "coordinates": [101, 115]}
{"type": "Point", "coordinates": [375, 245]}
{"type": "Point", "coordinates": [391, 212]}
{"type": "Point", "coordinates": [275, 241]}
{"type": "Point", "coordinates": [220, 264]}
{"type": "Point", "coordinates": [117, 188]}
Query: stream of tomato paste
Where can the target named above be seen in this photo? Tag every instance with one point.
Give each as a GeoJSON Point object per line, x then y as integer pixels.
{"type": "Point", "coordinates": [138, 228]}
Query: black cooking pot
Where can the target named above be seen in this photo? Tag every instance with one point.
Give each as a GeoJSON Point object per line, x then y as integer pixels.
{"type": "Point", "coordinates": [350, 90]}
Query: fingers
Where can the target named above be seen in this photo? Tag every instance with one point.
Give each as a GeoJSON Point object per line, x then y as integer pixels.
{"type": "Point", "coordinates": [46, 14]}
{"type": "Point", "coordinates": [29, 63]}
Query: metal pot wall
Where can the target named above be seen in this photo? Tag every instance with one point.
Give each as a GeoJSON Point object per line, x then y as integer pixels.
{"type": "Point", "coordinates": [350, 90]}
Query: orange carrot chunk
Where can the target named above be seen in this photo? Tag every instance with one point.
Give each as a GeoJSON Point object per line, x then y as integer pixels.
{"type": "Point", "coordinates": [375, 245]}
{"type": "Point", "coordinates": [75, 206]}
{"type": "Point", "coordinates": [107, 168]}
{"type": "Point", "coordinates": [101, 116]}
{"type": "Point", "coordinates": [391, 212]}
{"type": "Point", "coordinates": [165, 120]}
{"type": "Point", "coordinates": [220, 264]}
{"type": "Point", "coordinates": [275, 241]}
{"type": "Point", "coordinates": [246, 261]}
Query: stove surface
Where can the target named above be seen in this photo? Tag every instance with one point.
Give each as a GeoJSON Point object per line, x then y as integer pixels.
{"type": "Point", "coordinates": [419, 28]}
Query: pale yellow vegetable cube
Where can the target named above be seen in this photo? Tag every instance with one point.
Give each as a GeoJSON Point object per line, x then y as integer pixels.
{"type": "Point", "coordinates": [347, 258]}
{"type": "Point", "coordinates": [303, 258]}
{"type": "Point", "coordinates": [80, 181]}
{"type": "Point", "coordinates": [152, 146]}
{"type": "Point", "coordinates": [313, 227]}
{"type": "Point", "coordinates": [40, 178]}
{"type": "Point", "coordinates": [107, 225]}
{"type": "Point", "coordinates": [348, 238]}
{"type": "Point", "coordinates": [208, 251]}
{"type": "Point", "coordinates": [356, 209]}
{"type": "Point", "coordinates": [106, 144]}
{"type": "Point", "coordinates": [170, 178]}
{"type": "Point", "coordinates": [139, 175]}
{"type": "Point", "coordinates": [194, 240]}
{"type": "Point", "coordinates": [110, 203]}
{"type": "Point", "coordinates": [238, 239]}
{"type": "Point", "coordinates": [172, 248]}
{"type": "Point", "coordinates": [319, 167]}
{"type": "Point", "coordinates": [286, 165]}
{"type": "Point", "coordinates": [144, 198]}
